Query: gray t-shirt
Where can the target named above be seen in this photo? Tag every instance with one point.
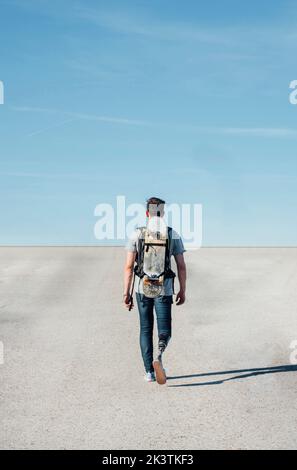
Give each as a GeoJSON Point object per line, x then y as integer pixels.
{"type": "Point", "coordinates": [176, 247]}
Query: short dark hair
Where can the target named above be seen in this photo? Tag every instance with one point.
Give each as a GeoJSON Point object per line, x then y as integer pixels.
{"type": "Point", "coordinates": [155, 205]}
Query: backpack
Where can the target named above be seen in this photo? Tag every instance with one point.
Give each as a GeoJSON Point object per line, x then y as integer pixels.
{"type": "Point", "coordinates": [153, 260]}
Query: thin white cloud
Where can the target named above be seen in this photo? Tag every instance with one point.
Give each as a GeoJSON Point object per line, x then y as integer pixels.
{"type": "Point", "coordinates": [114, 120]}
{"type": "Point", "coordinates": [72, 116]}
{"type": "Point", "coordinates": [32, 109]}
{"type": "Point", "coordinates": [86, 116]}
{"type": "Point", "coordinates": [145, 23]}
{"type": "Point", "coordinates": [53, 126]}
{"type": "Point", "coordinates": [121, 22]}
{"type": "Point", "coordinates": [261, 131]}
{"type": "Point", "coordinates": [63, 176]}
{"type": "Point", "coordinates": [217, 130]}
{"type": "Point", "coordinates": [242, 131]}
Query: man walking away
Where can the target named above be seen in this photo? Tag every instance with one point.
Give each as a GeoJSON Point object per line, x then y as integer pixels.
{"type": "Point", "coordinates": [149, 253]}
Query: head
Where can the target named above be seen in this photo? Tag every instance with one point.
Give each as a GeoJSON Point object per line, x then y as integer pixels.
{"type": "Point", "coordinates": [155, 207]}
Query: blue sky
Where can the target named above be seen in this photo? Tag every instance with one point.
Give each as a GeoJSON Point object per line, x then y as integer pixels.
{"type": "Point", "coordinates": [186, 100]}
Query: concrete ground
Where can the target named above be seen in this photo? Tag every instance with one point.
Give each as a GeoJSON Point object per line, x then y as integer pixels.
{"type": "Point", "coordinates": [72, 375]}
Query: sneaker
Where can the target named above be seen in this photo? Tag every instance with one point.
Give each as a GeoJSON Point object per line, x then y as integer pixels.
{"type": "Point", "coordinates": [160, 372]}
{"type": "Point", "coordinates": [150, 377]}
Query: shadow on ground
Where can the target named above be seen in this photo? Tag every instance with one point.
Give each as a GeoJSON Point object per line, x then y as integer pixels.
{"type": "Point", "coordinates": [240, 374]}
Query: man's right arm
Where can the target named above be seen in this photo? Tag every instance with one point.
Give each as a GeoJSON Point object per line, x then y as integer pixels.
{"type": "Point", "coordinates": [128, 271]}
{"type": "Point", "coordinates": [131, 248]}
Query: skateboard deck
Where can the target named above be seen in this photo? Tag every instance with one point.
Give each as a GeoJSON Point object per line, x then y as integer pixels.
{"type": "Point", "coordinates": [154, 264]}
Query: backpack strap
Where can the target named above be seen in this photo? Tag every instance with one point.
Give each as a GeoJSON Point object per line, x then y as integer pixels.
{"type": "Point", "coordinates": [167, 253]}
{"type": "Point", "coordinates": [168, 271]}
{"type": "Point", "coordinates": [169, 274]}
{"type": "Point", "coordinates": [138, 269]}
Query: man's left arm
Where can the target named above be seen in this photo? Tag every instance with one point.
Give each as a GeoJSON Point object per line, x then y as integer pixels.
{"type": "Point", "coordinates": [182, 277]}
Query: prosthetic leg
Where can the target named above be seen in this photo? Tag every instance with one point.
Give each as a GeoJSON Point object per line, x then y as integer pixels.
{"type": "Point", "coordinates": [157, 363]}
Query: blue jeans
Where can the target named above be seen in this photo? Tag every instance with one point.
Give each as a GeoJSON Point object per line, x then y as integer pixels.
{"type": "Point", "coordinates": [163, 305]}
